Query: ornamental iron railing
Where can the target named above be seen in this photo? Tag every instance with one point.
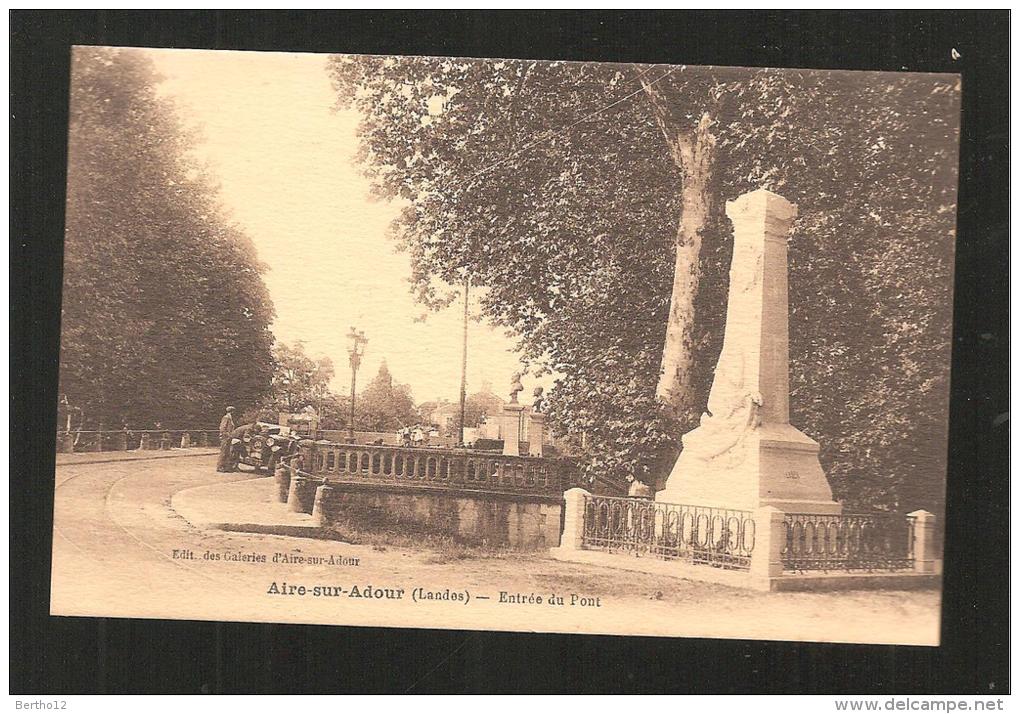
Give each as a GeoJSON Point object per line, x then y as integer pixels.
{"type": "Point", "coordinates": [848, 542]}
{"type": "Point", "coordinates": [670, 531]}
{"type": "Point", "coordinates": [455, 469]}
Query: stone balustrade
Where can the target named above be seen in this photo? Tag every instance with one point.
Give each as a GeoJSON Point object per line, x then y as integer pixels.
{"type": "Point", "coordinates": [456, 469]}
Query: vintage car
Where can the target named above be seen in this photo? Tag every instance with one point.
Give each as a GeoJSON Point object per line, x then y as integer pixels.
{"type": "Point", "coordinates": [261, 445]}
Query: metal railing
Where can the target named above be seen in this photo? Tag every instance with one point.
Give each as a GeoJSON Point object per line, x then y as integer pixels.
{"type": "Point", "coordinates": [848, 542]}
{"type": "Point", "coordinates": [456, 469]}
{"type": "Point", "coordinates": [93, 440]}
{"type": "Point", "coordinates": [670, 531]}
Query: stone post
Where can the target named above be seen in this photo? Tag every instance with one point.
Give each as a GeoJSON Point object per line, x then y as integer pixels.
{"type": "Point", "coordinates": [572, 537]}
{"type": "Point", "coordinates": [164, 441]}
{"type": "Point", "coordinates": [319, 507]}
{"type": "Point", "coordinates": [306, 458]}
{"type": "Point", "coordinates": [98, 446]}
{"type": "Point", "coordinates": [536, 434]}
{"type": "Point", "coordinates": [281, 475]}
{"type": "Point", "coordinates": [924, 541]}
{"type": "Point", "coordinates": [512, 429]}
{"type": "Point", "coordinates": [124, 440]}
{"type": "Point", "coordinates": [769, 539]}
{"type": "Point", "coordinates": [203, 439]}
{"type": "Point", "coordinates": [301, 497]}
{"type": "Point", "coordinates": [185, 440]}
{"type": "Point", "coordinates": [143, 444]}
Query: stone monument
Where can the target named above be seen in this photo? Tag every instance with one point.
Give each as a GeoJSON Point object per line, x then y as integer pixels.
{"type": "Point", "coordinates": [745, 453]}
{"type": "Point", "coordinates": [512, 419]}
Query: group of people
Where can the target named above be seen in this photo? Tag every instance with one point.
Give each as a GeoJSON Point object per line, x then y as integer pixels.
{"type": "Point", "coordinates": [230, 453]}
{"type": "Point", "coordinates": [413, 436]}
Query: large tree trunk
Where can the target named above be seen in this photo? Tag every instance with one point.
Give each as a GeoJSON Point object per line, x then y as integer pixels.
{"type": "Point", "coordinates": [694, 154]}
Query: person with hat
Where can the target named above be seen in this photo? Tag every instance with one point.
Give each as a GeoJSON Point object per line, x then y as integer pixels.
{"type": "Point", "coordinates": [225, 463]}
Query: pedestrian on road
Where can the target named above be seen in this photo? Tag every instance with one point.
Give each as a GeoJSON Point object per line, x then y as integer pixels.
{"type": "Point", "coordinates": [224, 464]}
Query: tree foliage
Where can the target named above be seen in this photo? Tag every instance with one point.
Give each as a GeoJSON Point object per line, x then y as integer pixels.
{"type": "Point", "coordinates": [298, 380]}
{"type": "Point", "coordinates": [165, 316]}
{"type": "Point", "coordinates": [384, 405]}
{"type": "Point", "coordinates": [565, 190]}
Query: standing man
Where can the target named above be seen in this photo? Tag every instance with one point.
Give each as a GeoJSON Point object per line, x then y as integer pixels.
{"type": "Point", "coordinates": [225, 463]}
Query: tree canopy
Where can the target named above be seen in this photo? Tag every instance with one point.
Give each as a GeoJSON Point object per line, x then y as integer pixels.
{"type": "Point", "coordinates": [165, 315]}
{"type": "Point", "coordinates": [299, 381]}
{"type": "Point", "coordinates": [384, 405]}
{"type": "Point", "coordinates": [588, 199]}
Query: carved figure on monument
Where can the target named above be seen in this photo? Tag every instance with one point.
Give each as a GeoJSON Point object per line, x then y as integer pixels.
{"type": "Point", "coordinates": [538, 401]}
{"type": "Point", "coordinates": [515, 386]}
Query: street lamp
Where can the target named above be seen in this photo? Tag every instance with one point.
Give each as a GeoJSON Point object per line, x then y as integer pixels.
{"type": "Point", "coordinates": [356, 352]}
{"type": "Point", "coordinates": [286, 390]}
{"type": "Point", "coordinates": [463, 369]}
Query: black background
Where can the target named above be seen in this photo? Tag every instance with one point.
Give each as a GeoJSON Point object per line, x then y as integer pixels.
{"type": "Point", "coordinates": [82, 655]}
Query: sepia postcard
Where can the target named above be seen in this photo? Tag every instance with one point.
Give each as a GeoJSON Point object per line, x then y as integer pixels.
{"type": "Point", "coordinates": [500, 344]}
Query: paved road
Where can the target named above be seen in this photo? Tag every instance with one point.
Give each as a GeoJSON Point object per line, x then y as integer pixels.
{"type": "Point", "coordinates": [116, 534]}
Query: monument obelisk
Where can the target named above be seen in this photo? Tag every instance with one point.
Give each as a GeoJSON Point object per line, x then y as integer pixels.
{"type": "Point", "coordinates": [745, 453]}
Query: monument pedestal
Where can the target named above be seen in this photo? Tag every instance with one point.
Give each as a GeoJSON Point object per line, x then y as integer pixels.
{"type": "Point", "coordinates": [775, 465]}
{"type": "Point", "coordinates": [512, 429]}
{"type": "Point", "coordinates": [745, 454]}
{"type": "Point", "coordinates": [536, 434]}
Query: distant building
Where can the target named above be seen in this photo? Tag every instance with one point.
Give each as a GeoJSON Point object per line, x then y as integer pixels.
{"type": "Point", "coordinates": [446, 417]}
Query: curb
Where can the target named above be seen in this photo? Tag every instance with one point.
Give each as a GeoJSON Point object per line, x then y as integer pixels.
{"type": "Point", "coordinates": [309, 531]}
{"type": "Point", "coordinates": [154, 457]}
{"type": "Point", "coordinates": [180, 505]}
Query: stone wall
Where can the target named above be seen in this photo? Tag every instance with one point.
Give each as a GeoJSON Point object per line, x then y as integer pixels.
{"type": "Point", "coordinates": [490, 519]}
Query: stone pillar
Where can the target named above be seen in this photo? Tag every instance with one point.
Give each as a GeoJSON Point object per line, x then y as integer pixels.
{"type": "Point", "coordinates": [98, 446]}
{"type": "Point", "coordinates": [203, 439]}
{"type": "Point", "coordinates": [306, 457]}
{"type": "Point", "coordinates": [536, 434]}
{"type": "Point", "coordinates": [924, 541]}
{"type": "Point", "coordinates": [164, 441]}
{"type": "Point", "coordinates": [745, 453]}
{"type": "Point", "coordinates": [143, 444]}
{"type": "Point", "coordinates": [282, 475]}
{"type": "Point", "coordinates": [322, 495]}
{"type": "Point", "coordinates": [124, 440]}
{"type": "Point", "coordinates": [512, 429]}
{"type": "Point", "coordinates": [573, 519]}
{"type": "Point", "coordinates": [185, 440]}
{"type": "Point", "coordinates": [769, 539]}
{"type": "Point", "coordinates": [301, 496]}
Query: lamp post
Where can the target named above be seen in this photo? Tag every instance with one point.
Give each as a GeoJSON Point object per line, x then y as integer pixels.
{"type": "Point", "coordinates": [286, 390]}
{"type": "Point", "coordinates": [356, 351]}
{"type": "Point", "coordinates": [463, 370]}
